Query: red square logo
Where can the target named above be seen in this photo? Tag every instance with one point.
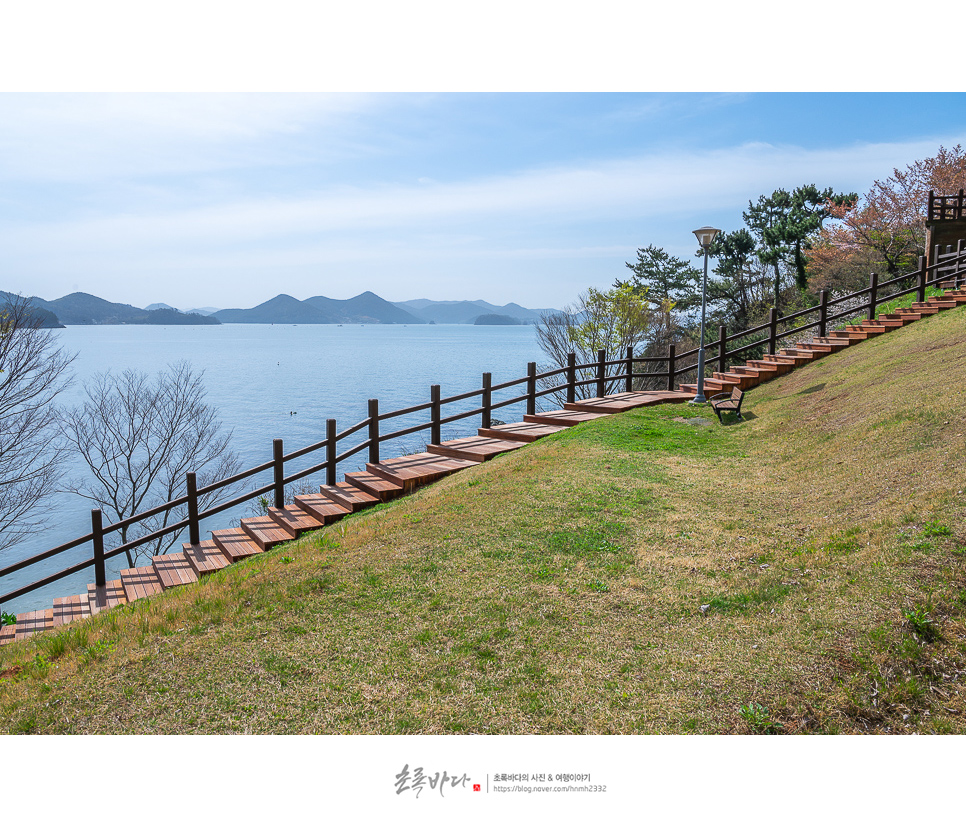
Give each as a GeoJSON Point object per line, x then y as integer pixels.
{"type": "Point", "coordinates": [476, 787]}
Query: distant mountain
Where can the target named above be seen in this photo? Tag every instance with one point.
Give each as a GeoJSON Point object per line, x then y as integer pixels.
{"type": "Point", "coordinates": [202, 311]}
{"type": "Point", "coordinates": [83, 308]}
{"type": "Point", "coordinates": [466, 312]}
{"type": "Point", "coordinates": [161, 307]}
{"type": "Point", "coordinates": [370, 307]}
{"type": "Point", "coordinates": [459, 312]}
{"type": "Point", "coordinates": [364, 308]}
{"type": "Point", "coordinates": [283, 309]}
{"type": "Point", "coordinates": [496, 318]}
{"type": "Point", "coordinates": [42, 319]}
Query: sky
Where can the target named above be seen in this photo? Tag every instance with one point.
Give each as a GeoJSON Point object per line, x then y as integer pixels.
{"type": "Point", "coordinates": [137, 188]}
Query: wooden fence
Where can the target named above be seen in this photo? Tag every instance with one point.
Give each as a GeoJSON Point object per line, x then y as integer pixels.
{"type": "Point", "coordinates": [594, 378]}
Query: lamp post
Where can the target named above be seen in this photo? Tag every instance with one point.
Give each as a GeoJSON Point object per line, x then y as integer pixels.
{"type": "Point", "coordinates": [705, 236]}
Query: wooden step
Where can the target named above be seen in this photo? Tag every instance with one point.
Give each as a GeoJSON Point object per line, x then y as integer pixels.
{"type": "Point", "coordinates": [525, 432]}
{"type": "Point", "coordinates": [265, 532]}
{"type": "Point", "coordinates": [778, 368]}
{"type": "Point", "coordinates": [761, 374]}
{"type": "Point", "coordinates": [294, 519]}
{"type": "Point", "coordinates": [835, 343]}
{"type": "Point", "coordinates": [800, 355]}
{"type": "Point", "coordinates": [474, 448]}
{"type": "Point", "coordinates": [888, 324]}
{"type": "Point", "coordinates": [412, 471]}
{"type": "Point", "coordinates": [936, 303]}
{"type": "Point", "coordinates": [853, 336]}
{"type": "Point", "coordinates": [140, 582]}
{"type": "Point", "coordinates": [623, 401]}
{"type": "Point", "coordinates": [348, 496]}
{"type": "Point", "coordinates": [920, 311]}
{"type": "Point", "coordinates": [321, 507]}
{"type": "Point", "coordinates": [174, 569]}
{"type": "Point", "coordinates": [68, 609]}
{"type": "Point", "coordinates": [869, 329]}
{"type": "Point", "coordinates": [743, 381]}
{"type": "Point", "coordinates": [903, 317]}
{"type": "Point", "coordinates": [374, 484]}
{"type": "Point", "coordinates": [34, 622]}
{"type": "Point", "coordinates": [563, 417]}
{"type": "Point", "coordinates": [235, 543]}
{"type": "Point", "coordinates": [205, 557]}
{"type": "Point", "coordinates": [815, 348]}
{"type": "Point", "coordinates": [110, 596]}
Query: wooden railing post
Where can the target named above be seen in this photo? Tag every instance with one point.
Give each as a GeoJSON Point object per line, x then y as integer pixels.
{"type": "Point", "coordinates": [279, 472]}
{"type": "Point", "coordinates": [434, 415]}
{"type": "Point", "coordinates": [194, 531]}
{"type": "Point", "coordinates": [722, 348]}
{"type": "Point", "coordinates": [487, 399]}
{"type": "Point", "coordinates": [670, 367]}
{"type": "Point", "coordinates": [931, 212]}
{"type": "Point", "coordinates": [571, 377]}
{"type": "Point", "coordinates": [100, 568]}
{"type": "Point", "coordinates": [373, 431]}
{"type": "Point", "coordinates": [923, 274]}
{"type": "Point", "coordinates": [873, 293]}
{"type": "Point", "coordinates": [773, 331]}
{"type": "Point", "coordinates": [629, 378]}
{"type": "Point", "coordinates": [959, 263]}
{"type": "Point", "coordinates": [330, 452]}
{"type": "Point", "coordinates": [601, 372]}
{"type": "Point", "coordinates": [823, 313]}
{"type": "Point", "coordinates": [531, 388]}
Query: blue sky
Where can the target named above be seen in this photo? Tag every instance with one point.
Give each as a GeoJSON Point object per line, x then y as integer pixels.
{"type": "Point", "coordinates": [228, 199]}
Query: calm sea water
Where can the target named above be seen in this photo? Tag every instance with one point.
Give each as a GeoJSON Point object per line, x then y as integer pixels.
{"type": "Point", "coordinates": [284, 381]}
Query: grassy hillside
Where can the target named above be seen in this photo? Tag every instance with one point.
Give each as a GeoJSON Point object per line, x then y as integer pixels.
{"type": "Point", "coordinates": [652, 572]}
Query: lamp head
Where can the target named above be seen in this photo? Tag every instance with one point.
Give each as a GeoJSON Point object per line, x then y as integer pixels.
{"type": "Point", "coordinates": [706, 235]}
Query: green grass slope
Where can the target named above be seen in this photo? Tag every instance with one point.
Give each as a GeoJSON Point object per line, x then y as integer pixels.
{"type": "Point", "coordinates": [801, 572]}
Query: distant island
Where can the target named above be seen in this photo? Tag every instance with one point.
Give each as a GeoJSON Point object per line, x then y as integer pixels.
{"type": "Point", "coordinates": [366, 308]}
{"type": "Point", "coordinates": [496, 318]}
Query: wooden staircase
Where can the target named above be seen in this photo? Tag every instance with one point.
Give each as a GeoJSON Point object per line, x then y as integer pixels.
{"type": "Point", "coordinates": [756, 371]}
{"type": "Point", "coordinates": [389, 479]}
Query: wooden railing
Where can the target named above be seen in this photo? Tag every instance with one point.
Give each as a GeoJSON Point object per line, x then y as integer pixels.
{"type": "Point", "coordinates": [593, 380]}
{"type": "Point", "coordinates": [945, 206]}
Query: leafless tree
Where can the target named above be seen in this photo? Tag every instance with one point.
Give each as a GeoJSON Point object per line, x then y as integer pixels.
{"type": "Point", "coordinates": [33, 371]}
{"type": "Point", "coordinates": [140, 437]}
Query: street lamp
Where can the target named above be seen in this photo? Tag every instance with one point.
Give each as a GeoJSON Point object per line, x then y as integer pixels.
{"type": "Point", "coordinates": [705, 236]}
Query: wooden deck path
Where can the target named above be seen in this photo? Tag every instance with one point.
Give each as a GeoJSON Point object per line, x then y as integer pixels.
{"type": "Point", "coordinates": [388, 479]}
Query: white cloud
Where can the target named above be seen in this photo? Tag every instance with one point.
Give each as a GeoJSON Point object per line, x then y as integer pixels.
{"type": "Point", "coordinates": [90, 137]}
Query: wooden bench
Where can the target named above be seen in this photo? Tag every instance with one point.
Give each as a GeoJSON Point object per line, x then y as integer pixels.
{"type": "Point", "coordinates": [727, 402]}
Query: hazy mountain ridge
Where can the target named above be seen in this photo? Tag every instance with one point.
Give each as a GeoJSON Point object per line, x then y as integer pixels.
{"type": "Point", "coordinates": [83, 308]}
{"type": "Point", "coordinates": [366, 308]}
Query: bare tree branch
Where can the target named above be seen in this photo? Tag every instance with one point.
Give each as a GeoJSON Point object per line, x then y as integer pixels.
{"type": "Point", "coordinates": [140, 437]}
{"type": "Point", "coordinates": [33, 371]}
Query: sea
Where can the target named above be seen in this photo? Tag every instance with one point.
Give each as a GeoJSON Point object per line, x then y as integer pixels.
{"type": "Point", "coordinates": [280, 381]}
